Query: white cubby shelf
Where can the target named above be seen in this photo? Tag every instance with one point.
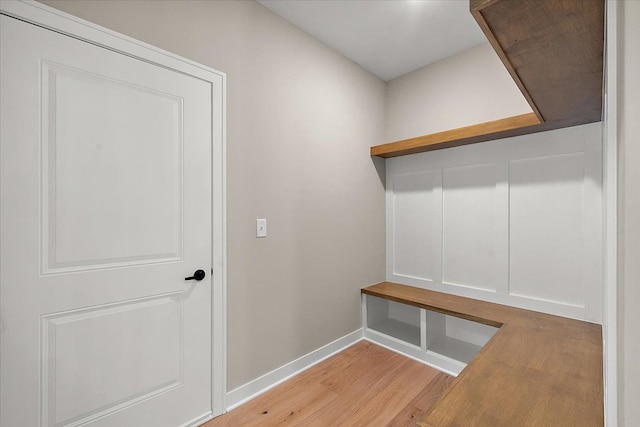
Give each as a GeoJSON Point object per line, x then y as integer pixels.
{"type": "Point", "coordinates": [445, 342]}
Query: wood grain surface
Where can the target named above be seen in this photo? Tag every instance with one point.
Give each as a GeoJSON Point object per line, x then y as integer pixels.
{"type": "Point", "coordinates": [365, 385]}
{"type": "Point", "coordinates": [537, 370]}
{"type": "Point", "coordinates": [553, 50]}
{"type": "Point", "coordinates": [455, 137]}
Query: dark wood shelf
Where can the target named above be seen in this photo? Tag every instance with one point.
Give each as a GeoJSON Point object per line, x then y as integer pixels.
{"type": "Point", "coordinates": [554, 53]}
{"type": "Point", "coordinates": [538, 369]}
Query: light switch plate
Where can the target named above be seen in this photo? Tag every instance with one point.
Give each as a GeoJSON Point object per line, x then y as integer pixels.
{"type": "Point", "coordinates": [261, 227]}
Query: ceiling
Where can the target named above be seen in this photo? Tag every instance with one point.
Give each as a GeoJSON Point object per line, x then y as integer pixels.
{"type": "Point", "coordinates": [387, 37]}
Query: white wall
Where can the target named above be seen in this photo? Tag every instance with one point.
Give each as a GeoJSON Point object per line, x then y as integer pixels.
{"type": "Point", "coordinates": [629, 214]}
{"type": "Point", "coordinates": [464, 89]}
{"type": "Point", "coordinates": [515, 221]}
{"type": "Point", "coordinates": [300, 122]}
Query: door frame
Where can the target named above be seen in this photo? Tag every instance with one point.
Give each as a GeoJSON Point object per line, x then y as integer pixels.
{"type": "Point", "coordinates": [64, 23]}
{"type": "Point", "coordinates": [610, 210]}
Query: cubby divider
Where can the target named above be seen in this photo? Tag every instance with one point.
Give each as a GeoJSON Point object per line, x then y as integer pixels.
{"type": "Point", "coordinates": [444, 342]}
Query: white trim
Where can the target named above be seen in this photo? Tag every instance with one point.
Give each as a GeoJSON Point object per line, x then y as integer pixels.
{"type": "Point", "coordinates": [610, 221]}
{"type": "Point", "coordinates": [198, 420]}
{"type": "Point", "coordinates": [63, 23]}
{"type": "Point", "coordinates": [254, 388]}
{"type": "Point", "coordinates": [389, 345]}
{"type": "Point", "coordinates": [219, 264]}
{"type": "Point", "coordinates": [584, 140]}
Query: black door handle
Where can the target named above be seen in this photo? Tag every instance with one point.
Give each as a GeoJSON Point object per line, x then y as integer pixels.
{"type": "Point", "coordinates": [198, 275]}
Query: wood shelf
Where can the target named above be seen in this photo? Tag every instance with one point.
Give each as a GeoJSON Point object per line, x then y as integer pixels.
{"type": "Point", "coordinates": [535, 360]}
{"type": "Point", "coordinates": [456, 137]}
{"type": "Point", "coordinates": [554, 53]}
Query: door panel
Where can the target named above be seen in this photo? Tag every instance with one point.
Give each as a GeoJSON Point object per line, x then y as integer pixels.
{"type": "Point", "coordinates": [87, 374]}
{"type": "Point", "coordinates": [105, 179]}
{"type": "Point", "coordinates": [100, 162]}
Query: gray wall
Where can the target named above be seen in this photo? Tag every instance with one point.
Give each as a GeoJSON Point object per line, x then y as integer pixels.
{"type": "Point", "coordinates": [452, 93]}
{"type": "Point", "coordinates": [629, 213]}
{"type": "Point", "coordinates": [300, 122]}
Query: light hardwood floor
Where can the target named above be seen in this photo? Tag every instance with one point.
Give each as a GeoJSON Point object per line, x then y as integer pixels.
{"type": "Point", "coordinates": [365, 385]}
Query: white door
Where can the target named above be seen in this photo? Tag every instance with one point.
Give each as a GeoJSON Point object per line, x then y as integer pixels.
{"type": "Point", "coordinates": [106, 208]}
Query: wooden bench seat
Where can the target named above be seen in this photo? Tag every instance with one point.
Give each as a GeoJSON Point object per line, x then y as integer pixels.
{"type": "Point", "coordinates": [537, 370]}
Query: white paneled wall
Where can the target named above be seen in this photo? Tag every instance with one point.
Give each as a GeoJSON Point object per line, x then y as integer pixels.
{"type": "Point", "coordinates": [515, 221]}
{"type": "Point", "coordinates": [413, 199]}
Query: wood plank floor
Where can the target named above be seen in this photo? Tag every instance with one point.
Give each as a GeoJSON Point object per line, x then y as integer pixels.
{"type": "Point", "coordinates": [365, 385]}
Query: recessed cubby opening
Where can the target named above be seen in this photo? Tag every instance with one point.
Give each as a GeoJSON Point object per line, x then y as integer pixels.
{"type": "Point", "coordinates": [455, 338]}
{"type": "Point", "coordinates": [396, 320]}
{"type": "Point", "coordinates": [447, 343]}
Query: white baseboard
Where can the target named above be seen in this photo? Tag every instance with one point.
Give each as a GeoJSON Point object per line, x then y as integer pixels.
{"type": "Point", "coordinates": [198, 420]}
{"type": "Point", "coordinates": [449, 368]}
{"type": "Point", "coordinates": [254, 388]}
